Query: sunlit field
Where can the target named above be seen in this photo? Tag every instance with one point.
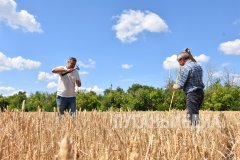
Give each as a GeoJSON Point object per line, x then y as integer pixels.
{"type": "Point", "coordinates": [119, 135]}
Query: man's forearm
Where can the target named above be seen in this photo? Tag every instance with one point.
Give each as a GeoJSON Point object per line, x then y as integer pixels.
{"type": "Point", "coordinates": [58, 70]}
{"type": "Point", "coordinates": [78, 83]}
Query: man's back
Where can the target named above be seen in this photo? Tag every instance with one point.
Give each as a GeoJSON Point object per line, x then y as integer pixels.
{"type": "Point", "coordinates": [191, 77]}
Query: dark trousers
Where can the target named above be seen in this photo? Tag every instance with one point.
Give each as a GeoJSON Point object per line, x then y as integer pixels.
{"type": "Point", "coordinates": [66, 103]}
{"type": "Point", "coordinates": [194, 101]}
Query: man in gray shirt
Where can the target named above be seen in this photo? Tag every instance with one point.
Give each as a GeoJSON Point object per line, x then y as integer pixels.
{"type": "Point", "coordinates": [68, 79]}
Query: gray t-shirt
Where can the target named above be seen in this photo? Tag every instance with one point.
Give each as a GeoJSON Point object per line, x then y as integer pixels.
{"type": "Point", "coordinates": [67, 83]}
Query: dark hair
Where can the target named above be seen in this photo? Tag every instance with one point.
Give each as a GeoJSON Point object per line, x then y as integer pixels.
{"type": "Point", "coordinates": [72, 59]}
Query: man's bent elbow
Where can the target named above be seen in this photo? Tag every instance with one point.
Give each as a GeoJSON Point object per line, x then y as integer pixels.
{"type": "Point", "coordinates": [54, 70]}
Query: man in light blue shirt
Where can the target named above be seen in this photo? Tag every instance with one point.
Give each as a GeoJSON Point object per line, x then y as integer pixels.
{"type": "Point", "coordinates": [190, 81]}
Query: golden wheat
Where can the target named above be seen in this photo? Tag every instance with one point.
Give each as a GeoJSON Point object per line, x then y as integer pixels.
{"type": "Point", "coordinates": [119, 135]}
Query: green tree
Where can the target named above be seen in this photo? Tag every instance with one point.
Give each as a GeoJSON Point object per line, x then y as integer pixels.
{"type": "Point", "coordinates": [3, 103]}
{"type": "Point", "coordinates": [88, 101]}
{"type": "Point", "coordinates": [15, 101]}
{"type": "Point", "coordinates": [41, 100]}
{"type": "Point", "coordinates": [177, 97]}
{"type": "Point", "coordinates": [144, 97]}
{"type": "Point", "coordinates": [219, 97]}
{"type": "Point", "coordinates": [157, 99]}
{"type": "Point", "coordinates": [115, 99]}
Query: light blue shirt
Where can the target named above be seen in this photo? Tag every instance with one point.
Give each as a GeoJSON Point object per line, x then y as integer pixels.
{"type": "Point", "coordinates": [191, 77]}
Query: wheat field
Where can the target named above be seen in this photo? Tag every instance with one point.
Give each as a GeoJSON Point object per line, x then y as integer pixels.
{"type": "Point", "coordinates": [118, 135]}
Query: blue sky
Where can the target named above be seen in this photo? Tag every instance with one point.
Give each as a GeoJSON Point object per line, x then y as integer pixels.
{"type": "Point", "coordinates": [115, 42]}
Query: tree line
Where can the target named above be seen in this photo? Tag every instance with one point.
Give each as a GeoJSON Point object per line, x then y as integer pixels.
{"type": "Point", "coordinates": [218, 97]}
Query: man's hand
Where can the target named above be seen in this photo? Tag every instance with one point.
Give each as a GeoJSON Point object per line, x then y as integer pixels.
{"type": "Point", "coordinates": [70, 70]}
{"type": "Point", "coordinates": [176, 87]}
{"type": "Point", "coordinates": [78, 82]}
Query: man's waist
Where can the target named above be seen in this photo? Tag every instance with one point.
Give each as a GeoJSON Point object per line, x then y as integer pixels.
{"type": "Point", "coordinates": [194, 89]}
{"type": "Point", "coordinates": [60, 96]}
{"type": "Point", "coordinates": [66, 93]}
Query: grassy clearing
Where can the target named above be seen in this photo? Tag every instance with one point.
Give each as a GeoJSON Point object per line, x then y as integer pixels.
{"type": "Point", "coordinates": [119, 135]}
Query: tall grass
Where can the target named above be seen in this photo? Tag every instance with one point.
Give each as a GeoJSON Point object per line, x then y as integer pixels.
{"type": "Point", "coordinates": [118, 135]}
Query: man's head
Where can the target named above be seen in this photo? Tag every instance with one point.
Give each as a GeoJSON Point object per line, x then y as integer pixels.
{"type": "Point", "coordinates": [182, 58]}
{"type": "Point", "coordinates": [71, 62]}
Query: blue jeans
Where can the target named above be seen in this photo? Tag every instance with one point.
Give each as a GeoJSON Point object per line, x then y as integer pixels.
{"type": "Point", "coordinates": [194, 101]}
{"type": "Point", "coordinates": [66, 103]}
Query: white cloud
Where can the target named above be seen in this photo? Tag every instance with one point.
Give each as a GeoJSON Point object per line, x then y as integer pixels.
{"type": "Point", "coordinates": [14, 92]}
{"type": "Point", "coordinates": [225, 64]}
{"type": "Point", "coordinates": [230, 47]}
{"type": "Point", "coordinates": [19, 63]}
{"type": "Point", "coordinates": [234, 76]}
{"type": "Point", "coordinates": [171, 62]}
{"type": "Point", "coordinates": [127, 80]}
{"type": "Point", "coordinates": [126, 66]}
{"type": "Point", "coordinates": [7, 89]}
{"type": "Point", "coordinates": [52, 85]}
{"type": "Point", "coordinates": [83, 73]}
{"type": "Point", "coordinates": [237, 21]}
{"type": "Point", "coordinates": [89, 64]}
{"type": "Point", "coordinates": [236, 79]}
{"type": "Point", "coordinates": [218, 74]}
{"type": "Point", "coordinates": [15, 19]}
{"type": "Point", "coordinates": [202, 58]}
{"type": "Point", "coordinates": [94, 89]}
{"type": "Point", "coordinates": [47, 76]}
{"type": "Point", "coordinates": [130, 23]}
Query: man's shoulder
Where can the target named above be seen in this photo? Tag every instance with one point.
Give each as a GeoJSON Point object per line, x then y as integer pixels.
{"type": "Point", "coordinates": [187, 66]}
{"type": "Point", "coordinates": [75, 72]}
{"type": "Point", "coordinates": [191, 65]}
